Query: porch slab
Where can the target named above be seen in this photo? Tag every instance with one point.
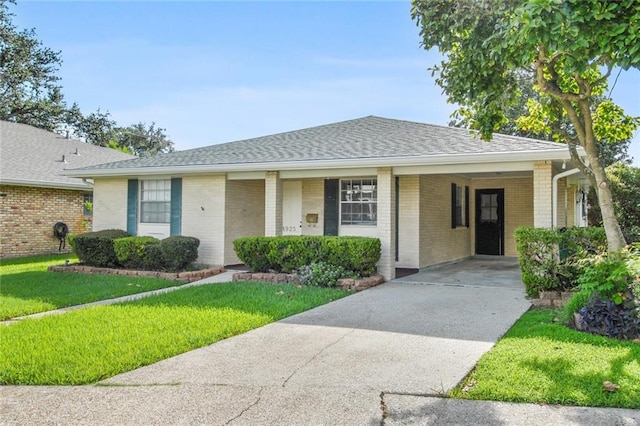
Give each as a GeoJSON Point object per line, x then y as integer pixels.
{"type": "Point", "coordinates": [477, 271]}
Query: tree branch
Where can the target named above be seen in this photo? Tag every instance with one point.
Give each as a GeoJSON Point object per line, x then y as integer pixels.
{"type": "Point", "coordinates": [602, 79]}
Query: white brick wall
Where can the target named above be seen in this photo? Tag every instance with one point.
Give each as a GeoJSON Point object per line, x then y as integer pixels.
{"type": "Point", "coordinates": [203, 215]}
{"type": "Point", "coordinates": [409, 222]}
{"type": "Point", "coordinates": [542, 194]}
{"type": "Point", "coordinates": [386, 221]}
{"type": "Point", "coordinates": [110, 204]}
{"type": "Point", "coordinates": [273, 204]}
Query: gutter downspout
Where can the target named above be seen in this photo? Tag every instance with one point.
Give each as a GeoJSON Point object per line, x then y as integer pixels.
{"type": "Point", "coordinates": [554, 210]}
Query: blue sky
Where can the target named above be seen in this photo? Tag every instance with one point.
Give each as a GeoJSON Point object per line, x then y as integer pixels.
{"type": "Point", "coordinates": [211, 72]}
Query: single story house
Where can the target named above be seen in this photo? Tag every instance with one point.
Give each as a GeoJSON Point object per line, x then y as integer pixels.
{"type": "Point", "coordinates": [34, 195]}
{"type": "Point", "coordinates": [432, 194]}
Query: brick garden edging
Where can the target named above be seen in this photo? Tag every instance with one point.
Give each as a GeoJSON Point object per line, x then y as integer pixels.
{"type": "Point", "coordinates": [184, 277]}
{"type": "Point", "coordinates": [552, 299]}
{"type": "Point", "coordinates": [345, 283]}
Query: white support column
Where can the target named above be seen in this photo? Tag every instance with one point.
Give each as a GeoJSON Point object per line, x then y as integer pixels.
{"type": "Point", "coordinates": [542, 194]}
{"type": "Point", "coordinates": [387, 222]}
{"type": "Point", "coordinates": [272, 204]}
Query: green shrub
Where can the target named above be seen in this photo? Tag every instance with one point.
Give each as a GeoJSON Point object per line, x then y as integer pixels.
{"type": "Point", "coordinates": [289, 253]}
{"type": "Point", "coordinates": [252, 251]}
{"type": "Point", "coordinates": [320, 274]}
{"type": "Point", "coordinates": [359, 255]}
{"type": "Point", "coordinates": [153, 259]}
{"type": "Point", "coordinates": [614, 277]}
{"type": "Point", "coordinates": [606, 277]}
{"type": "Point", "coordinates": [71, 240]}
{"type": "Point", "coordinates": [549, 258]}
{"type": "Point", "coordinates": [96, 248]}
{"type": "Point", "coordinates": [131, 251]}
{"type": "Point", "coordinates": [178, 252]}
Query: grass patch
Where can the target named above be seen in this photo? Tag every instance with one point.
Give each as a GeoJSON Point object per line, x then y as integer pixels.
{"type": "Point", "coordinates": [34, 263]}
{"type": "Point", "coordinates": [88, 345]}
{"type": "Point", "coordinates": [539, 361]}
{"type": "Point", "coordinates": [26, 288]}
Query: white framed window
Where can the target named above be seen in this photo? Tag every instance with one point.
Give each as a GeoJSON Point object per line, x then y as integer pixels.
{"type": "Point", "coordinates": [87, 204]}
{"type": "Point", "coordinates": [459, 206]}
{"type": "Point", "coordinates": [359, 201]}
{"type": "Point", "coordinates": [155, 201]}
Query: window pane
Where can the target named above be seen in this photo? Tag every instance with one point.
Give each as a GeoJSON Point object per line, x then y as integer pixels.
{"type": "Point", "coordinates": [155, 205]}
{"type": "Point", "coordinates": [358, 201]}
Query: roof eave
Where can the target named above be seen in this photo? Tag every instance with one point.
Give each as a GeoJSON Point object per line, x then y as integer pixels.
{"type": "Point", "coordinates": [45, 184]}
{"type": "Point", "coordinates": [442, 159]}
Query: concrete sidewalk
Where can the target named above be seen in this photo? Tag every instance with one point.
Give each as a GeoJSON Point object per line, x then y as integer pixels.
{"type": "Point", "coordinates": [382, 356]}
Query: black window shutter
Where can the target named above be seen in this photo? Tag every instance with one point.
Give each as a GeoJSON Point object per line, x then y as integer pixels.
{"type": "Point", "coordinates": [331, 206]}
{"type": "Point", "coordinates": [453, 206]}
{"type": "Point", "coordinates": [466, 206]}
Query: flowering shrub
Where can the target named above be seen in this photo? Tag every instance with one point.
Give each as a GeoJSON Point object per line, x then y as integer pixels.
{"type": "Point", "coordinates": [320, 274]}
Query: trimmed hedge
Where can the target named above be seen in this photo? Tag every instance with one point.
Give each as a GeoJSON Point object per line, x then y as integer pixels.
{"type": "Point", "coordinates": [96, 248]}
{"type": "Point", "coordinates": [131, 251]}
{"type": "Point", "coordinates": [548, 258]}
{"type": "Point", "coordinates": [116, 248]}
{"type": "Point", "coordinates": [359, 255]}
{"type": "Point", "coordinates": [178, 252]}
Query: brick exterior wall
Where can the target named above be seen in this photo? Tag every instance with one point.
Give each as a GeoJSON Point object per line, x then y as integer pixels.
{"type": "Point", "coordinates": [542, 194]}
{"type": "Point", "coordinates": [110, 204]}
{"type": "Point", "coordinates": [438, 241]}
{"type": "Point", "coordinates": [273, 204]}
{"type": "Point", "coordinates": [313, 203]}
{"type": "Point", "coordinates": [203, 215]}
{"type": "Point", "coordinates": [518, 207]}
{"type": "Point", "coordinates": [409, 222]}
{"type": "Point", "coordinates": [244, 214]}
{"type": "Point", "coordinates": [387, 222]}
{"type": "Point", "coordinates": [27, 216]}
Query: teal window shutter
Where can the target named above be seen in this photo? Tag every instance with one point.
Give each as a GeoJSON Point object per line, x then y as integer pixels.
{"type": "Point", "coordinates": [132, 207]}
{"type": "Point", "coordinates": [176, 206]}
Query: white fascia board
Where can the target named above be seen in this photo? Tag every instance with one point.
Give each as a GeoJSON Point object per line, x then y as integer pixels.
{"type": "Point", "coordinates": [445, 159]}
{"type": "Point", "coordinates": [511, 166]}
{"type": "Point", "coordinates": [246, 175]}
{"type": "Point", "coordinates": [45, 184]}
{"type": "Point", "coordinates": [324, 173]}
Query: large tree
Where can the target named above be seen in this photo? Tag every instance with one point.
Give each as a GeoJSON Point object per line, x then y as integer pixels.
{"type": "Point", "coordinates": [29, 89]}
{"type": "Point", "coordinates": [145, 140]}
{"type": "Point", "coordinates": [570, 47]}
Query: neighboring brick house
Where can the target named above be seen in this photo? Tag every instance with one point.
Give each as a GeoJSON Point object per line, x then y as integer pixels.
{"type": "Point", "coordinates": [432, 194]}
{"type": "Point", "coordinates": [33, 193]}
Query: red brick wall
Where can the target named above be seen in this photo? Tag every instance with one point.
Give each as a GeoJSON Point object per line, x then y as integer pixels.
{"type": "Point", "coordinates": [27, 216]}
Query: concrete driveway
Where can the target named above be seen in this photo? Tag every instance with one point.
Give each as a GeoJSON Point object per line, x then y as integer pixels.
{"type": "Point", "coordinates": [342, 363]}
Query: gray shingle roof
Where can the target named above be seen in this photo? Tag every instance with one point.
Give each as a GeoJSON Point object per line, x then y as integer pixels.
{"type": "Point", "coordinates": [369, 137]}
{"type": "Point", "coordinates": [29, 155]}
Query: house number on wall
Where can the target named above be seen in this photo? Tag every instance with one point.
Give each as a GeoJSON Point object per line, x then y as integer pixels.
{"type": "Point", "coordinates": [289, 228]}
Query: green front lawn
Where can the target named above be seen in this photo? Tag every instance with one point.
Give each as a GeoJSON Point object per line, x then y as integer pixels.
{"type": "Point", "coordinates": [540, 361]}
{"type": "Point", "coordinates": [95, 343]}
{"type": "Point", "coordinates": [26, 288]}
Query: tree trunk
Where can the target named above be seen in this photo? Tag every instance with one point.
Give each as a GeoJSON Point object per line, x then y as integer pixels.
{"type": "Point", "coordinates": [615, 238]}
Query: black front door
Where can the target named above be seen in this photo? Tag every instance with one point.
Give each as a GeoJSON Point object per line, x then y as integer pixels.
{"type": "Point", "coordinates": [490, 221]}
